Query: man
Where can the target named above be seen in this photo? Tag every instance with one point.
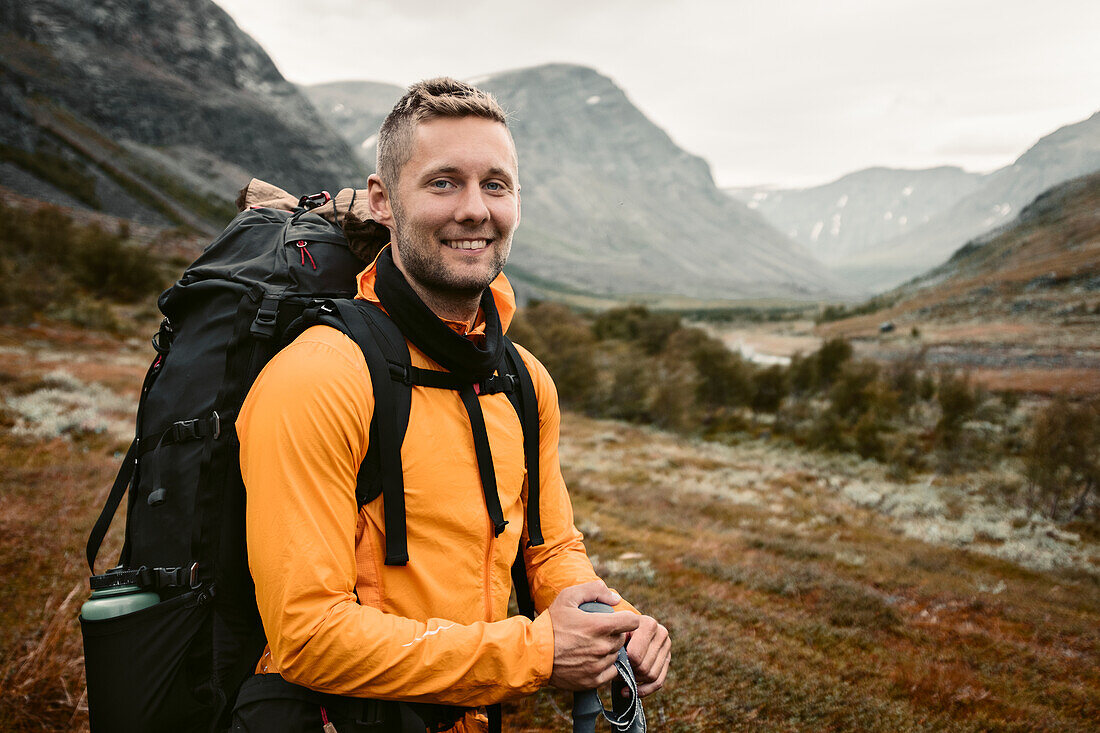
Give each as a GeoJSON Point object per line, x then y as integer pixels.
{"type": "Point", "coordinates": [338, 619]}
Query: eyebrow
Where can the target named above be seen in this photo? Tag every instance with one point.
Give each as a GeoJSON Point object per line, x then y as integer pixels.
{"type": "Point", "coordinates": [494, 171]}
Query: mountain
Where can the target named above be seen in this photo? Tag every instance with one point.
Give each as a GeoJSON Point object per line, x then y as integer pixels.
{"type": "Point", "coordinates": [356, 109]}
{"type": "Point", "coordinates": [1040, 272]}
{"type": "Point", "coordinates": [154, 111]}
{"type": "Point", "coordinates": [1072, 151]}
{"type": "Point", "coordinates": [613, 207]}
{"type": "Point", "coordinates": [861, 209]}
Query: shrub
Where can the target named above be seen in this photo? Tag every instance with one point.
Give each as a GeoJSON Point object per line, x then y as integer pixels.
{"type": "Point", "coordinates": [958, 400]}
{"type": "Point", "coordinates": [854, 390]}
{"type": "Point", "coordinates": [868, 434]}
{"type": "Point", "coordinates": [769, 388]}
{"type": "Point", "coordinates": [50, 264]}
{"type": "Point", "coordinates": [832, 355]}
{"type": "Point", "coordinates": [803, 374]}
{"type": "Point", "coordinates": [673, 393]}
{"type": "Point", "coordinates": [1062, 456]}
{"type": "Point", "coordinates": [723, 378]}
{"type": "Point", "coordinates": [564, 343]}
{"type": "Point", "coordinates": [636, 324]}
{"type": "Point", "coordinates": [631, 384]}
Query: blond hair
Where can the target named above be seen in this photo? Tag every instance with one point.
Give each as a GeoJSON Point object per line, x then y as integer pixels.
{"type": "Point", "coordinates": [426, 100]}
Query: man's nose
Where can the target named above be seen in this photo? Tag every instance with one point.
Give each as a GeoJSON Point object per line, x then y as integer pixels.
{"type": "Point", "coordinates": [471, 206]}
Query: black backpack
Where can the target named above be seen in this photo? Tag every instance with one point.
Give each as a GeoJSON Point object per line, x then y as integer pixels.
{"type": "Point", "coordinates": [179, 664]}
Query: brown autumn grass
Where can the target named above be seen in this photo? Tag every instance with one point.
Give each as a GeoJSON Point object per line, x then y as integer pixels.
{"type": "Point", "coordinates": [791, 607]}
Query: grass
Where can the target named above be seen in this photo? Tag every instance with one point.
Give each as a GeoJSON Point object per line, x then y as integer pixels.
{"type": "Point", "coordinates": [791, 608]}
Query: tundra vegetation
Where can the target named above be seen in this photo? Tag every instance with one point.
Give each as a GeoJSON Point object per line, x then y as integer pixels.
{"type": "Point", "coordinates": [835, 544]}
{"type": "Point", "coordinates": [650, 368]}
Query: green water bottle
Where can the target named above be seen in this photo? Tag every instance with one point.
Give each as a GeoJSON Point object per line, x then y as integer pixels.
{"type": "Point", "coordinates": [116, 593]}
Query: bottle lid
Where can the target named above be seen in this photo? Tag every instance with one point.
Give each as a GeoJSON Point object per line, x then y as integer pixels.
{"type": "Point", "coordinates": [114, 578]}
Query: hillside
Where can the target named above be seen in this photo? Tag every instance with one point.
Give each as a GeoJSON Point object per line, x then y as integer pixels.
{"type": "Point", "coordinates": [356, 110]}
{"type": "Point", "coordinates": [860, 209]}
{"type": "Point", "coordinates": [156, 112]}
{"type": "Point", "coordinates": [613, 207]}
{"type": "Point", "coordinates": [1030, 291]}
{"type": "Point", "coordinates": [1072, 151]}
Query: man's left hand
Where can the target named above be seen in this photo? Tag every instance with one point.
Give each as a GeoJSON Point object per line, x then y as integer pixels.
{"type": "Point", "coordinates": [650, 652]}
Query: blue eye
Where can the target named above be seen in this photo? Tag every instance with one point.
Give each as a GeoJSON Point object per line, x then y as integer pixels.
{"type": "Point", "coordinates": [440, 184]}
{"type": "Point", "coordinates": [494, 186]}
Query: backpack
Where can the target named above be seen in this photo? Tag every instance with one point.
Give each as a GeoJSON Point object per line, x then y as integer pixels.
{"type": "Point", "coordinates": [178, 665]}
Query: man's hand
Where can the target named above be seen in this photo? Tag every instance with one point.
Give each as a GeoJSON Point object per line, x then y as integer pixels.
{"type": "Point", "coordinates": [650, 652]}
{"type": "Point", "coordinates": [586, 644]}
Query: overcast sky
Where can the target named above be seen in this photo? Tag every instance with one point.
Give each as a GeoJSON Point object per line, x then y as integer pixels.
{"type": "Point", "coordinates": [785, 92]}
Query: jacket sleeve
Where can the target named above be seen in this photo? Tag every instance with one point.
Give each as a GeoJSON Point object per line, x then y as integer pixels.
{"type": "Point", "coordinates": [303, 432]}
{"type": "Point", "coordinates": [561, 561]}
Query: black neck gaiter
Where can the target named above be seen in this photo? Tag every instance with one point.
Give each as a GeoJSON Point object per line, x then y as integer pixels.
{"type": "Point", "coordinates": [455, 353]}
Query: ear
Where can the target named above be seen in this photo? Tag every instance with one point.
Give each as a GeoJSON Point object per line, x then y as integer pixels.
{"type": "Point", "coordinates": [378, 199]}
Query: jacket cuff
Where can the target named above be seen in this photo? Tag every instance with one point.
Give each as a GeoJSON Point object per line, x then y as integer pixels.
{"type": "Point", "coordinates": [542, 636]}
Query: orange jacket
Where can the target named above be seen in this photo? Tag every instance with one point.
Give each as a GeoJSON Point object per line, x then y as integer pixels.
{"type": "Point", "coordinates": [340, 621]}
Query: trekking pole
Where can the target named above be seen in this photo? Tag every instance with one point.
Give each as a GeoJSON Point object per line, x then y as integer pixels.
{"type": "Point", "coordinates": [626, 715]}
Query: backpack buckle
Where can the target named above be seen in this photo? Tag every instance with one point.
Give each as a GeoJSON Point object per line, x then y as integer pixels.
{"type": "Point", "coordinates": [401, 373]}
{"type": "Point", "coordinates": [185, 430]}
{"type": "Point", "coordinates": [263, 326]}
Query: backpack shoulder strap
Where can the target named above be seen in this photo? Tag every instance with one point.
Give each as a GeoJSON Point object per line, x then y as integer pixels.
{"type": "Point", "coordinates": [381, 472]}
{"type": "Point", "coordinates": [525, 401]}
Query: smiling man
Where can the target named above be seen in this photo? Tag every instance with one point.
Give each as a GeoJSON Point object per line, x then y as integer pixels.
{"type": "Point", "coordinates": [353, 635]}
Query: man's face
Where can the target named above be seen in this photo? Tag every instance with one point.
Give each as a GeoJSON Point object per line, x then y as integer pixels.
{"type": "Point", "coordinates": [456, 205]}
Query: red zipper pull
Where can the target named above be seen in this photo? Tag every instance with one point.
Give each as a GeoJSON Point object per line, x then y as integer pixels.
{"type": "Point", "coordinates": [328, 727]}
{"type": "Point", "coordinates": [302, 244]}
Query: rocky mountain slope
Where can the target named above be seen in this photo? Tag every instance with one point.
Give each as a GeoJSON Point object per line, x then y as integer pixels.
{"type": "Point", "coordinates": [861, 209]}
{"type": "Point", "coordinates": [155, 111]}
{"type": "Point", "coordinates": [1046, 261]}
{"type": "Point", "coordinates": [612, 207]}
{"type": "Point", "coordinates": [356, 109]}
{"type": "Point", "coordinates": [1072, 151]}
{"type": "Point", "coordinates": [1020, 307]}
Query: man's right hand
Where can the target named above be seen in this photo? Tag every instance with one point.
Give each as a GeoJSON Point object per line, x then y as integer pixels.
{"type": "Point", "coordinates": [586, 644]}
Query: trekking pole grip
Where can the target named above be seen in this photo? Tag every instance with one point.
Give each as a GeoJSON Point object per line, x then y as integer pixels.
{"type": "Point", "coordinates": [586, 703]}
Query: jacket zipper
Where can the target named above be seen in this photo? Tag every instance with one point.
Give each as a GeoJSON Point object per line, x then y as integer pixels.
{"type": "Point", "coordinates": [487, 585]}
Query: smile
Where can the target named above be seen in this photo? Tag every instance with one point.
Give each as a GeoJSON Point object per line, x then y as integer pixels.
{"type": "Point", "coordinates": [466, 243]}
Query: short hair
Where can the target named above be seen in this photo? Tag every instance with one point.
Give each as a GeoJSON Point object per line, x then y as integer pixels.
{"type": "Point", "coordinates": [427, 100]}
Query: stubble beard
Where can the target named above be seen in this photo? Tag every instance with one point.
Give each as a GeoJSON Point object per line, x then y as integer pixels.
{"type": "Point", "coordinates": [421, 264]}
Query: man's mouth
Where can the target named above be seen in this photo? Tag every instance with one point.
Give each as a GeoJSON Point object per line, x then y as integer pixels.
{"type": "Point", "coordinates": [466, 243]}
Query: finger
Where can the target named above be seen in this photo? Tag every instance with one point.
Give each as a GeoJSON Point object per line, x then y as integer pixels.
{"type": "Point", "coordinates": [609, 596]}
{"type": "Point", "coordinates": [606, 676]}
{"type": "Point", "coordinates": [659, 645]}
{"type": "Point", "coordinates": [575, 595]}
{"type": "Point", "coordinates": [640, 641]}
{"type": "Point", "coordinates": [594, 590]}
{"type": "Point", "coordinates": [651, 687]}
{"type": "Point", "coordinates": [618, 623]}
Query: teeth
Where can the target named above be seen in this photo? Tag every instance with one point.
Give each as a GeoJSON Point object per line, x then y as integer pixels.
{"type": "Point", "coordinates": [466, 243]}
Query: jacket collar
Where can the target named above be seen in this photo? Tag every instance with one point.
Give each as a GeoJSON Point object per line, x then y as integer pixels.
{"type": "Point", "coordinates": [501, 289]}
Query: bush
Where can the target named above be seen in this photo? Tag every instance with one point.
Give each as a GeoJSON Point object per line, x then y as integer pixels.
{"type": "Point", "coordinates": [832, 355]}
{"type": "Point", "coordinates": [770, 386]}
{"type": "Point", "coordinates": [564, 343]}
{"type": "Point", "coordinates": [816, 372]}
{"type": "Point", "coordinates": [49, 263]}
{"type": "Point", "coordinates": [1062, 457]}
{"type": "Point", "coordinates": [958, 400]}
{"type": "Point", "coordinates": [636, 324]}
{"type": "Point", "coordinates": [629, 395]}
{"type": "Point", "coordinates": [854, 390]}
{"type": "Point", "coordinates": [723, 378]}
